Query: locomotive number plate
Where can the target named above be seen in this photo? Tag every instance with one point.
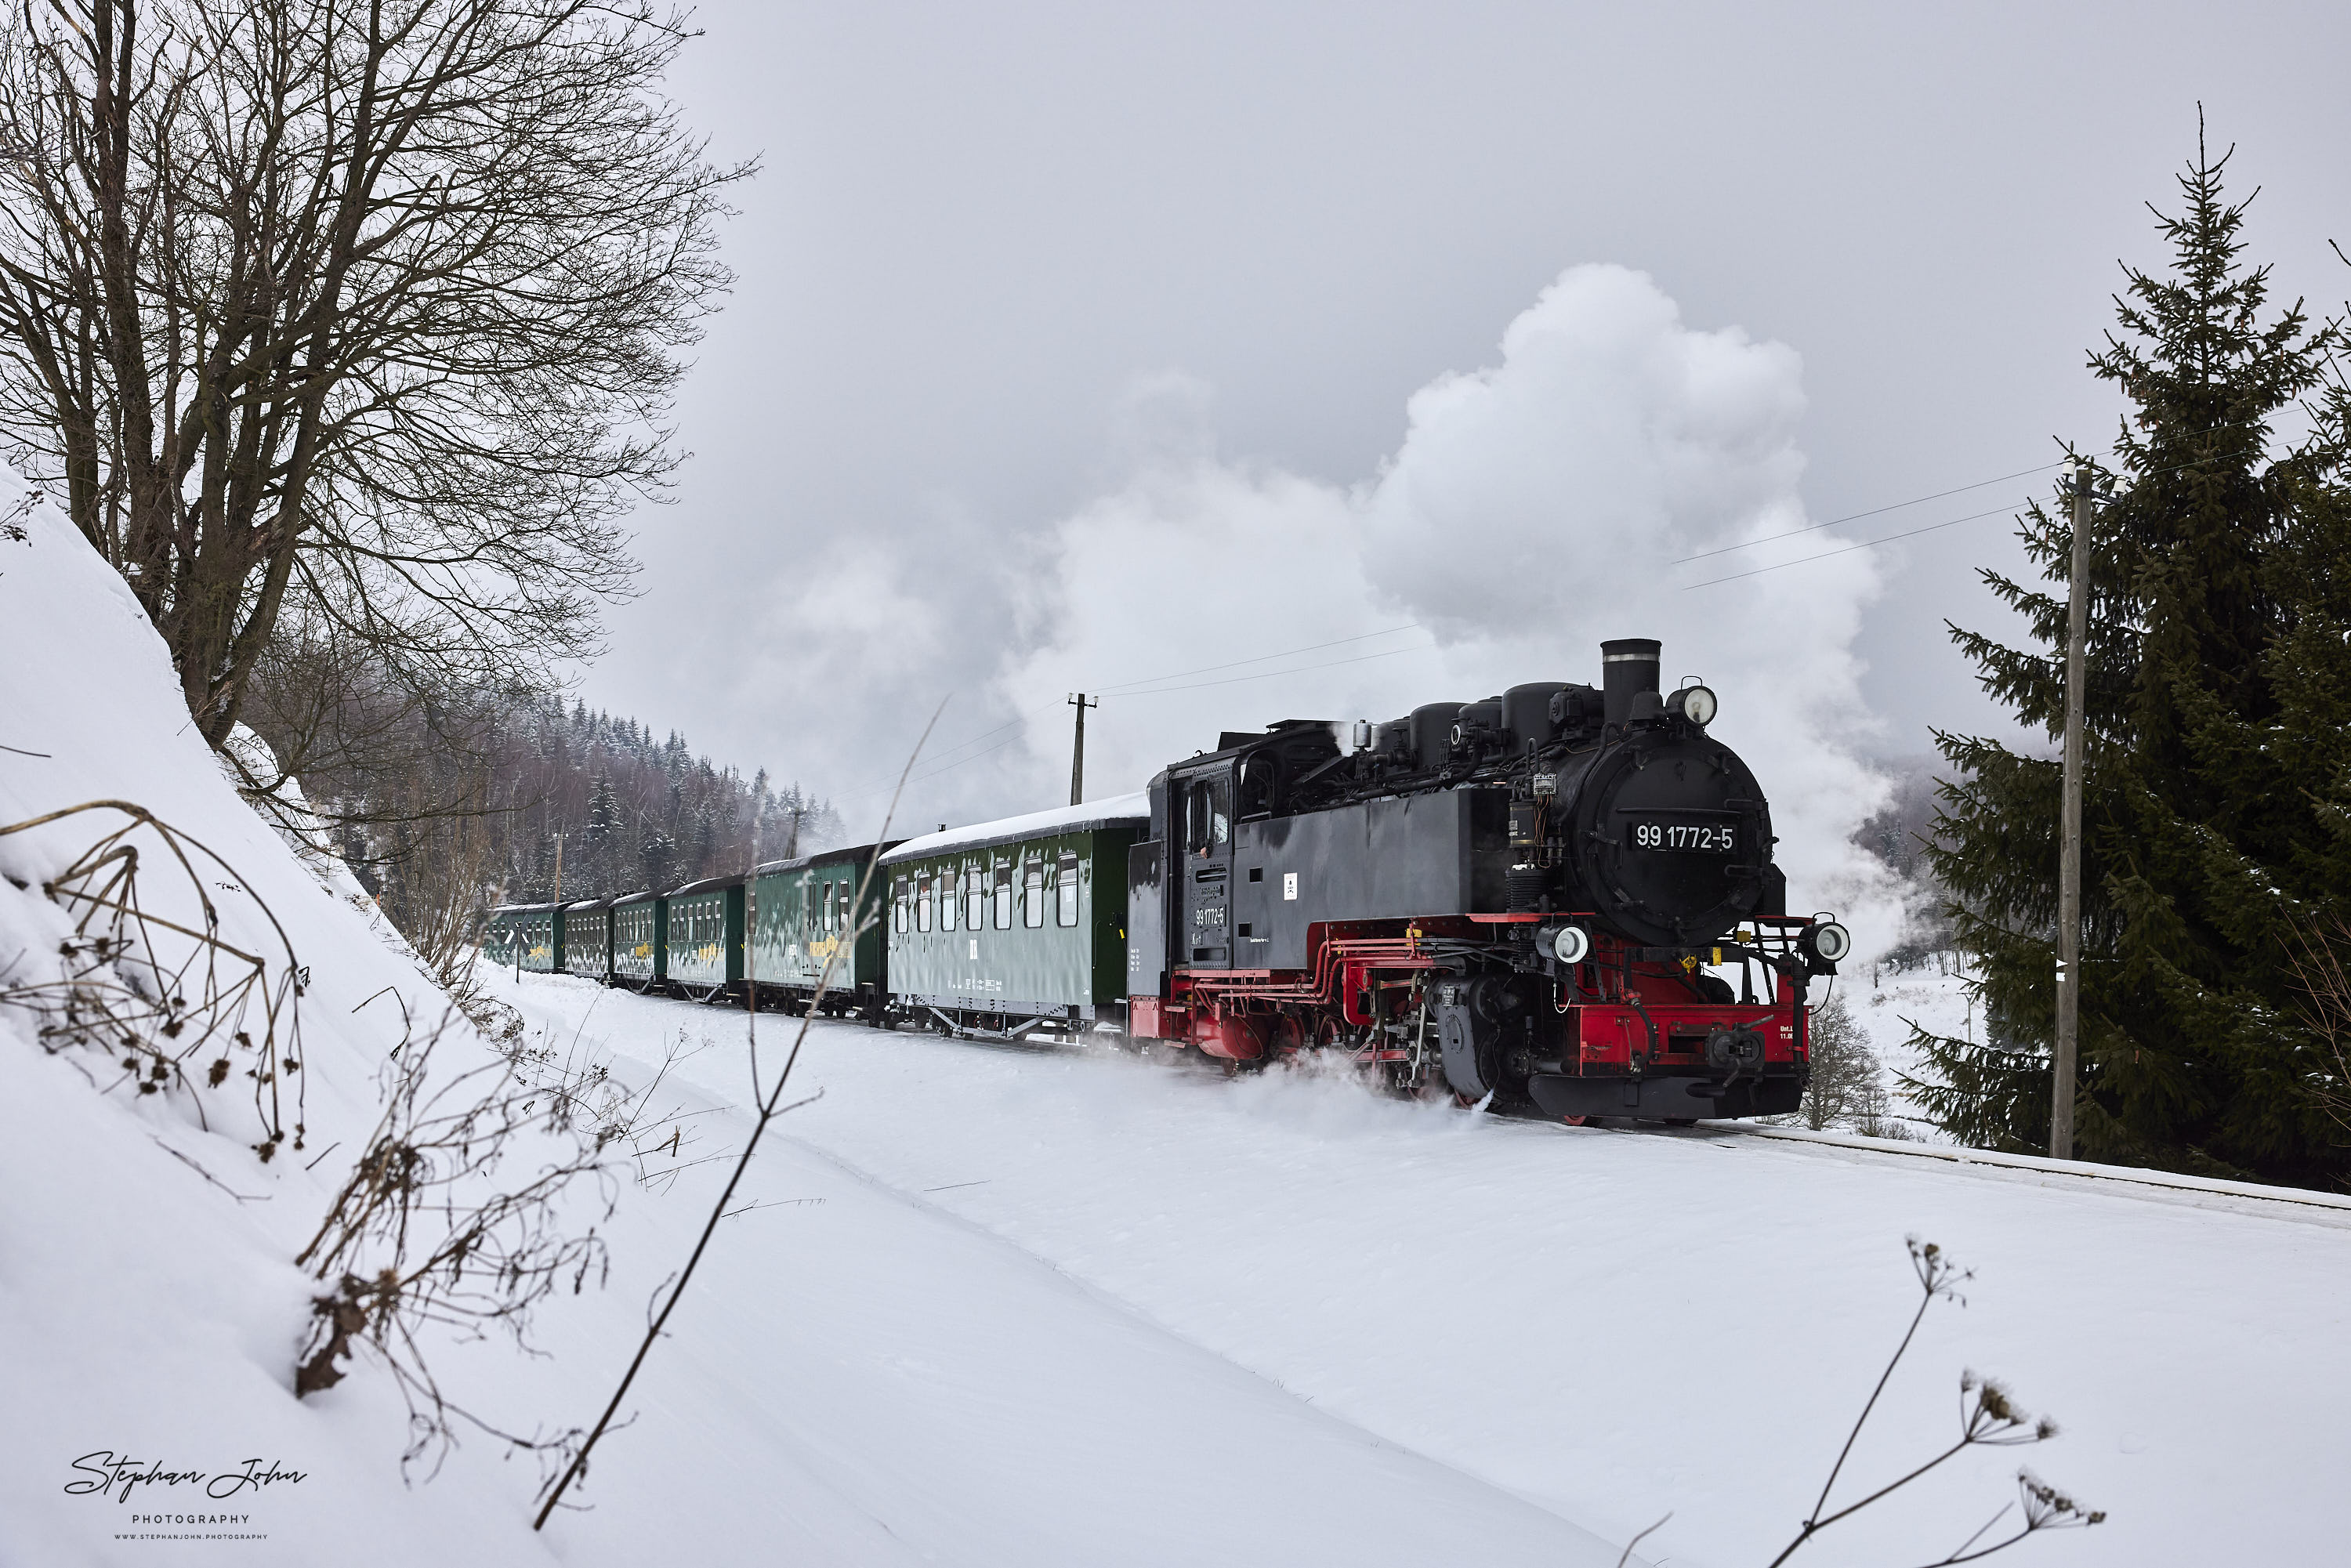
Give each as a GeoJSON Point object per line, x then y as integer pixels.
{"type": "Point", "coordinates": [1702, 837]}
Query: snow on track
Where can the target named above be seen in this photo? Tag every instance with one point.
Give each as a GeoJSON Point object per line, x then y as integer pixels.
{"type": "Point", "coordinates": [1608, 1326]}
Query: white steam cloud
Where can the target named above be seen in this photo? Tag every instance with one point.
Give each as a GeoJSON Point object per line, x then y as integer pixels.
{"type": "Point", "coordinates": [1534, 509]}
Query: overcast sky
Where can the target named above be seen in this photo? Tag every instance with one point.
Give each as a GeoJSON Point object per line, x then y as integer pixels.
{"type": "Point", "coordinates": [1078, 345]}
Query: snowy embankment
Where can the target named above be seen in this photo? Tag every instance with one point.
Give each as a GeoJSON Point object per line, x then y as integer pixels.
{"type": "Point", "coordinates": [1011, 1307]}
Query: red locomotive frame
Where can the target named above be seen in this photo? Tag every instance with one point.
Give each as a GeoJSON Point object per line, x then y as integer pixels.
{"type": "Point", "coordinates": [1627, 1017]}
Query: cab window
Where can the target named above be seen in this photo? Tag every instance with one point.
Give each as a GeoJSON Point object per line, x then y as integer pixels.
{"type": "Point", "coordinates": [1208, 815]}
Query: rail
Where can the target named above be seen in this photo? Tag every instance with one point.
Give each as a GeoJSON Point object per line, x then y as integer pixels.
{"type": "Point", "coordinates": [2125, 1175]}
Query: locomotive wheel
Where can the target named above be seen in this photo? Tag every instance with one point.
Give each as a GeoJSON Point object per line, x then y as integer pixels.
{"type": "Point", "coordinates": [1574, 1121]}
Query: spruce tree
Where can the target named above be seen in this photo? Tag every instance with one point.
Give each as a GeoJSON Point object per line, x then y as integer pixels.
{"type": "Point", "coordinates": [2217, 778]}
{"type": "Point", "coordinates": [598, 840]}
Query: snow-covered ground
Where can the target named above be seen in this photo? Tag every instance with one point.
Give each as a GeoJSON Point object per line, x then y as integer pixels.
{"type": "Point", "coordinates": [1012, 1306]}
{"type": "Point", "coordinates": [1609, 1325]}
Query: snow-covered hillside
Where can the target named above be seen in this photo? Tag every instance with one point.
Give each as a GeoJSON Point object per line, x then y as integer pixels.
{"type": "Point", "coordinates": [1888, 1002]}
{"type": "Point", "coordinates": [1006, 1306]}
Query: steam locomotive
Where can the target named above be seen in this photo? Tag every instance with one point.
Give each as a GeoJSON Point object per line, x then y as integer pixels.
{"type": "Point", "coordinates": [1535, 895]}
{"type": "Point", "coordinates": [1540, 899]}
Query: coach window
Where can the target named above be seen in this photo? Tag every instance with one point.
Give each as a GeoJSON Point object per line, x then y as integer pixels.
{"type": "Point", "coordinates": [1004, 895]}
{"type": "Point", "coordinates": [923, 904]}
{"type": "Point", "coordinates": [1066, 888]}
{"type": "Point", "coordinates": [1032, 906]}
{"type": "Point", "coordinates": [898, 902]}
{"type": "Point", "coordinates": [975, 897]}
{"type": "Point", "coordinates": [950, 895]}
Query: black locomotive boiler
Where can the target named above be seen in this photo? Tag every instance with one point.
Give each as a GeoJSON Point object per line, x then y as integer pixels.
{"type": "Point", "coordinates": [1542, 897]}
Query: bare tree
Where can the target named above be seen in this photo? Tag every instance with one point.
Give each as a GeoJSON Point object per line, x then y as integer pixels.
{"type": "Point", "coordinates": [2323, 980]}
{"type": "Point", "coordinates": [365, 313]}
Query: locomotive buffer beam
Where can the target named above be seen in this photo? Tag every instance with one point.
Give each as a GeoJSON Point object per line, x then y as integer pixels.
{"type": "Point", "coordinates": [1658, 1098]}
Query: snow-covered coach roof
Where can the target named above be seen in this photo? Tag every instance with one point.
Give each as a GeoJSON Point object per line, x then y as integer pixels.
{"type": "Point", "coordinates": [1119, 811]}
{"type": "Point", "coordinates": [707, 884]}
{"type": "Point", "coordinates": [823, 857]}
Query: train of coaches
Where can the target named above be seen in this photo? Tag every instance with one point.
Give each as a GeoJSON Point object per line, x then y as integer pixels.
{"type": "Point", "coordinates": [1005, 928]}
{"type": "Point", "coordinates": [1563, 896]}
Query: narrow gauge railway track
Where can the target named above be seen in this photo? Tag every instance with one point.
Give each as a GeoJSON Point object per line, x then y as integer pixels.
{"type": "Point", "coordinates": [2332, 1210]}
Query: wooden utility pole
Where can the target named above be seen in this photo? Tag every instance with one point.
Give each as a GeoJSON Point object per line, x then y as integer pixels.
{"type": "Point", "coordinates": [1078, 754]}
{"type": "Point", "coordinates": [2069, 838]}
{"type": "Point", "coordinates": [559, 868]}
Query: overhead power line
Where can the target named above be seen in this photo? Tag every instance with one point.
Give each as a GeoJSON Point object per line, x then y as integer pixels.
{"type": "Point", "coordinates": [1261, 658]}
{"type": "Point", "coordinates": [1848, 549]}
{"type": "Point", "coordinates": [1872, 512]}
{"type": "Point", "coordinates": [1268, 674]}
{"type": "Point", "coordinates": [946, 762]}
{"type": "Point", "coordinates": [1913, 533]}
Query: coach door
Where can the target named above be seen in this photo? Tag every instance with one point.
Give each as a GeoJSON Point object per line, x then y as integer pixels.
{"type": "Point", "coordinates": [1208, 867]}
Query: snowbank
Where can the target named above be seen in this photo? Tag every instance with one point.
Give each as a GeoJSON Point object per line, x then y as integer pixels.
{"type": "Point", "coordinates": [149, 1305]}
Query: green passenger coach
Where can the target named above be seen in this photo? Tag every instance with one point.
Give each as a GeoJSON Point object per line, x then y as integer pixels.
{"type": "Point", "coordinates": [1009, 927]}
{"type": "Point", "coordinates": [638, 950]}
{"type": "Point", "coordinates": [587, 939]}
{"type": "Point", "coordinates": [525, 936]}
{"type": "Point", "coordinates": [703, 935]}
{"type": "Point", "coordinates": [804, 913]}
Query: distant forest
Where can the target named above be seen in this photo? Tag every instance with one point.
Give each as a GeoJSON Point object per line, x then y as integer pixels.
{"type": "Point", "coordinates": [443, 808]}
{"type": "Point", "coordinates": [599, 800]}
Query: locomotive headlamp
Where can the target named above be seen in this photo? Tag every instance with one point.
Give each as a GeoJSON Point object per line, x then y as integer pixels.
{"type": "Point", "coordinates": [1695, 704]}
{"type": "Point", "coordinates": [1571, 943]}
{"type": "Point", "coordinates": [1828, 940]}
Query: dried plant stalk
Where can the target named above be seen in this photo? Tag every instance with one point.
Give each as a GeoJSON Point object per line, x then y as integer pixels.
{"type": "Point", "coordinates": [164, 993]}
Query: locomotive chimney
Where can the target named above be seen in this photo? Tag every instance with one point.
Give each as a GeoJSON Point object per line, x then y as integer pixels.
{"type": "Point", "coordinates": [1628, 666]}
